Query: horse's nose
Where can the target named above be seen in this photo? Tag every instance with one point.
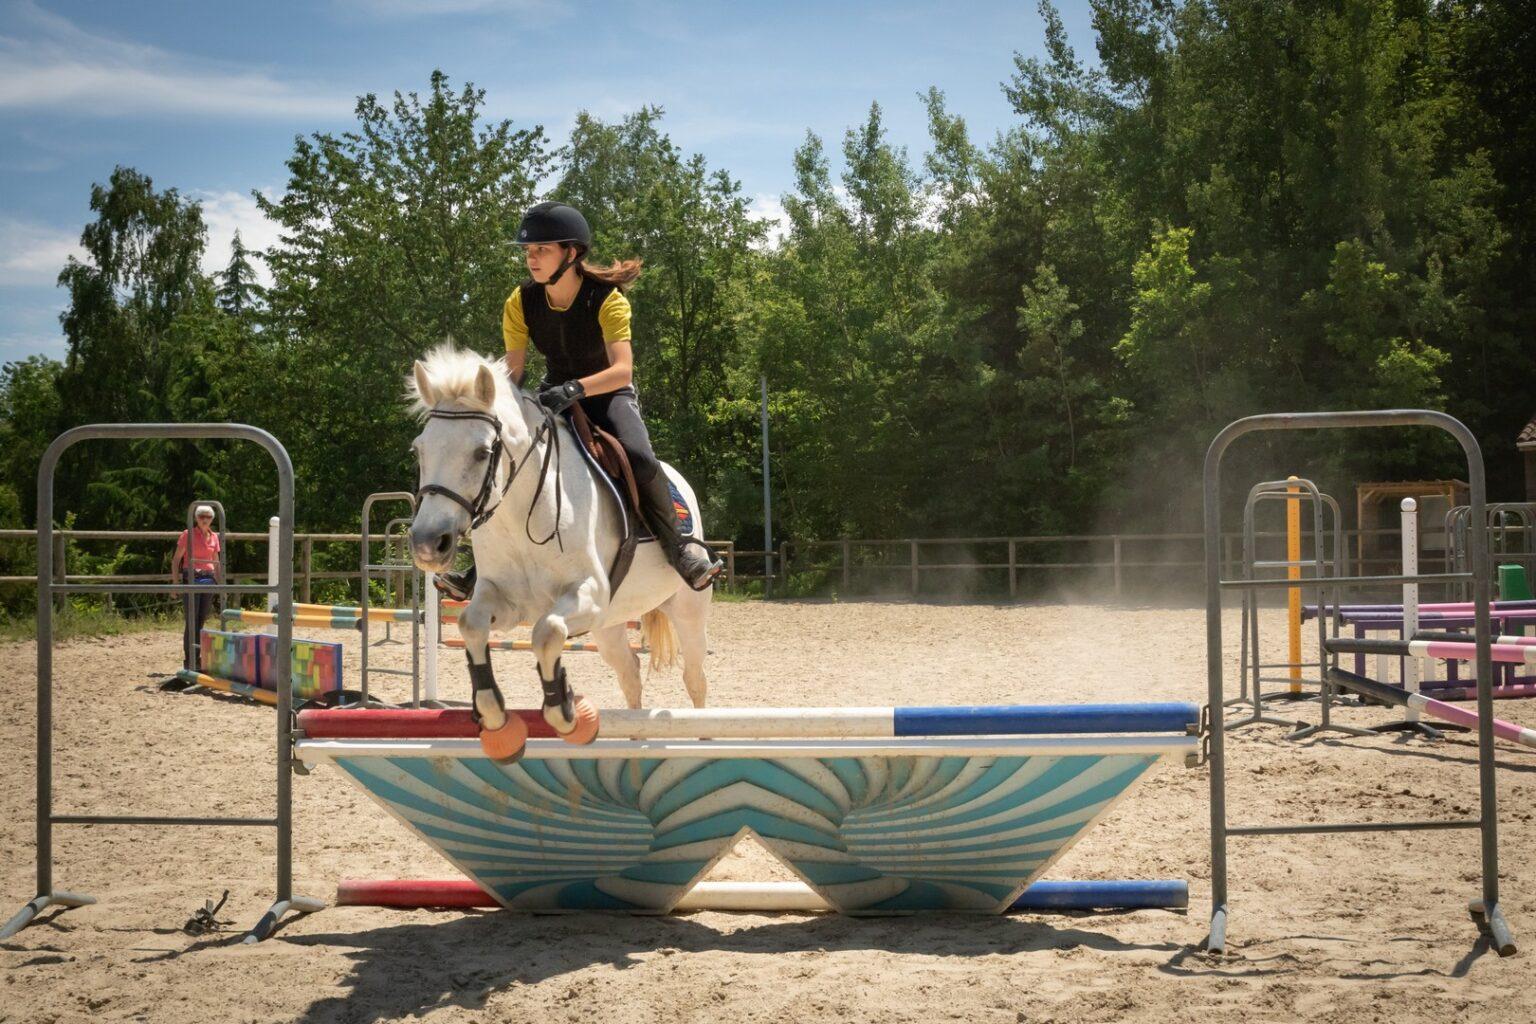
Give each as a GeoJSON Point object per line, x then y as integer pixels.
{"type": "Point", "coordinates": [431, 547]}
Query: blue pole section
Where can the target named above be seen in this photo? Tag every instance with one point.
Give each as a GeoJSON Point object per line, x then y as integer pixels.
{"type": "Point", "coordinates": [1005, 720]}
{"type": "Point", "coordinates": [1168, 894]}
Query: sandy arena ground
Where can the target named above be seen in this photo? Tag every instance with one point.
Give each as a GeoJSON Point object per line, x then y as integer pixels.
{"type": "Point", "coordinates": [1324, 928]}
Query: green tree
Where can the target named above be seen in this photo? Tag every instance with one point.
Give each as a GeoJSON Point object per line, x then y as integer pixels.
{"type": "Point", "coordinates": [129, 350]}
{"type": "Point", "coordinates": [1050, 330]}
{"type": "Point", "coordinates": [141, 270]}
{"type": "Point", "coordinates": [396, 236]}
{"type": "Point", "coordinates": [690, 225]}
{"type": "Point", "coordinates": [32, 414]}
{"type": "Point", "coordinates": [239, 293]}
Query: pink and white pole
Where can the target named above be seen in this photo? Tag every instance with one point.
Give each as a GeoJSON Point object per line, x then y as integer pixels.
{"type": "Point", "coordinates": [1389, 694]}
{"type": "Point", "coordinates": [1411, 674]}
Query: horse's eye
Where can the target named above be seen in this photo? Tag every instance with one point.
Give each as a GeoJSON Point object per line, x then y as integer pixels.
{"type": "Point", "coordinates": [481, 454]}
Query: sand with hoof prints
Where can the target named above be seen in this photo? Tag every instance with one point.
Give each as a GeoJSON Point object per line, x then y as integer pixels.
{"type": "Point", "coordinates": [1327, 928]}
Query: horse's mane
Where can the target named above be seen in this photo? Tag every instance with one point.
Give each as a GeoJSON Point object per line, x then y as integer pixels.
{"type": "Point", "coordinates": [452, 371]}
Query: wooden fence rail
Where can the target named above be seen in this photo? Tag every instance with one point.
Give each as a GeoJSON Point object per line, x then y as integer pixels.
{"type": "Point", "coordinates": [1110, 559]}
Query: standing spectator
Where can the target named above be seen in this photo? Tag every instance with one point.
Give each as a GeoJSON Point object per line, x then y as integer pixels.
{"type": "Point", "coordinates": [197, 560]}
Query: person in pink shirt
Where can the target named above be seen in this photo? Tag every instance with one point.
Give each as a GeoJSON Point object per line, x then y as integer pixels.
{"type": "Point", "coordinates": [198, 559]}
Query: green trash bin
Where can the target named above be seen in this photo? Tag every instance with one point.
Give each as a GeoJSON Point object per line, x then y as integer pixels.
{"type": "Point", "coordinates": [1513, 584]}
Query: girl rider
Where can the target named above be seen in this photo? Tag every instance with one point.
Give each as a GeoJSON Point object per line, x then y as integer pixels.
{"type": "Point", "coordinates": [576, 315]}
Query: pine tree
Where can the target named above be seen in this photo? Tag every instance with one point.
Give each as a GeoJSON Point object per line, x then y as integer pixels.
{"type": "Point", "coordinates": [238, 291]}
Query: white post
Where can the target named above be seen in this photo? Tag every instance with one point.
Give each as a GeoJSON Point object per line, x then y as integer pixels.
{"type": "Point", "coordinates": [767, 502]}
{"type": "Point", "coordinates": [1410, 510]}
{"type": "Point", "coordinates": [272, 568]}
{"type": "Point", "coordinates": [433, 624]}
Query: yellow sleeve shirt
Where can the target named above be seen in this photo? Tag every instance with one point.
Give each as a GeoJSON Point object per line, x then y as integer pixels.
{"type": "Point", "coordinates": [612, 315]}
{"type": "Point", "coordinates": [514, 329]}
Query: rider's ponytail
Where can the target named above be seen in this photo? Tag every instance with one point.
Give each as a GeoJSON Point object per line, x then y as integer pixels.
{"type": "Point", "coordinates": [620, 273]}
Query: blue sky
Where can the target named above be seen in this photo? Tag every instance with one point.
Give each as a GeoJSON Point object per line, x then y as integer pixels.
{"type": "Point", "coordinates": [206, 96]}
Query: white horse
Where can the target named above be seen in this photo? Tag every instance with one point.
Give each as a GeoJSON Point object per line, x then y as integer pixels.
{"type": "Point", "coordinates": [546, 530]}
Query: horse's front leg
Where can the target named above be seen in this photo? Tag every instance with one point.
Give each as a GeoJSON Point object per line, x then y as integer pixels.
{"type": "Point", "coordinates": [571, 715]}
{"type": "Point", "coordinates": [502, 735]}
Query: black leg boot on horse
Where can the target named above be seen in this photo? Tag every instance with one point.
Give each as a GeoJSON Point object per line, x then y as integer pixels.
{"type": "Point", "coordinates": [573, 717]}
{"type": "Point", "coordinates": [504, 734]}
{"type": "Point", "coordinates": [690, 557]}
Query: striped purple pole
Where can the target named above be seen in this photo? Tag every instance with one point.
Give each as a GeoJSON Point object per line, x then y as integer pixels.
{"type": "Point", "coordinates": [1509, 691]}
{"type": "Point", "coordinates": [1520, 615]}
{"type": "Point", "coordinates": [1510, 638]}
{"type": "Point", "coordinates": [1515, 654]}
{"type": "Point", "coordinates": [1466, 607]}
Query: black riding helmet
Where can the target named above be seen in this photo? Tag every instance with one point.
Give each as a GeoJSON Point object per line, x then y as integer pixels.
{"type": "Point", "coordinates": [551, 222]}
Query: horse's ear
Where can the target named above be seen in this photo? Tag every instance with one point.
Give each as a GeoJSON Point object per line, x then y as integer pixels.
{"type": "Point", "coordinates": [485, 386]}
{"type": "Point", "coordinates": [424, 385]}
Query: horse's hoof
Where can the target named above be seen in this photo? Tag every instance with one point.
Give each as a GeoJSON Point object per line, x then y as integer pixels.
{"type": "Point", "coordinates": [583, 729]}
{"type": "Point", "coordinates": [505, 745]}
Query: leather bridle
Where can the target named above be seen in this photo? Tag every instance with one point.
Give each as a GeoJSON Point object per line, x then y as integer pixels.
{"type": "Point", "coordinates": [479, 514]}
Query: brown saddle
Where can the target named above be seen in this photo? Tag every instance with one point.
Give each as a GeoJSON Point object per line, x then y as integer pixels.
{"type": "Point", "coordinates": [609, 454]}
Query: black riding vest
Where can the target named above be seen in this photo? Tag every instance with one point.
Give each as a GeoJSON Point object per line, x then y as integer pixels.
{"type": "Point", "coordinates": [571, 342]}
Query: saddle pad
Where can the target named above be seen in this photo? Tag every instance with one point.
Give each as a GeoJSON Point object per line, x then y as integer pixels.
{"type": "Point", "coordinates": [685, 514]}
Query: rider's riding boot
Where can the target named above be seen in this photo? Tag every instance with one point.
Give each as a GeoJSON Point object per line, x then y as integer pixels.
{"type": "Point", "coordinates": [457, 585]}
{"type": "Point", "coordinates": [688, 556]}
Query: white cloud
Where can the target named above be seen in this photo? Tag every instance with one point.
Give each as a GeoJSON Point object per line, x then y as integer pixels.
{"type": "Point", "coordinates": [769, 208]}
{"type": "Point", "coordinates": [227, 212]}
{"type": "Point", "coordinates": [33, 253]}
{"type": "Point", "coordinates": [55, 65]}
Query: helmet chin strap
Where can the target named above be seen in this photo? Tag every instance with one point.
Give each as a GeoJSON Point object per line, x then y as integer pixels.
{"type": "Point", "coordinates": [565, 265]}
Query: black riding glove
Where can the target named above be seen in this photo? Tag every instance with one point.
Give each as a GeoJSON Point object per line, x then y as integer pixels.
{"type": "Point", "coordinates": [558, 397]}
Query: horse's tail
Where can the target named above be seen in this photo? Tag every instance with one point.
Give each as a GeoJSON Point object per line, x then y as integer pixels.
{"type": "Point", "coordinates": [660, 637]}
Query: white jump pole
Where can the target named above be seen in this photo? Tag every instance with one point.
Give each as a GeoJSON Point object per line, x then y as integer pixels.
{"type": "Point", "coordinates": [1410, 512]}
{"type": "Point", "coordinates": [433, 625]}
{"type": "Point", "coordinates": [272, 567]}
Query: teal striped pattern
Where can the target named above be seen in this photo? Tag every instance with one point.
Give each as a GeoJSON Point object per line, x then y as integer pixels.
{"type": "Point", "coordinates": [870, 834]}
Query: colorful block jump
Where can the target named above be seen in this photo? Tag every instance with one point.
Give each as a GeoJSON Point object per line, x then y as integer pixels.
{"type": "Point", "coordinates": [248, 660]}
